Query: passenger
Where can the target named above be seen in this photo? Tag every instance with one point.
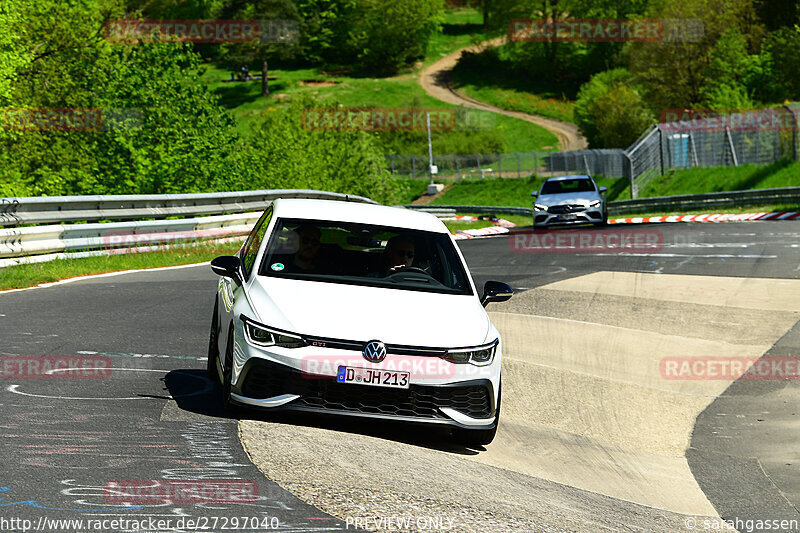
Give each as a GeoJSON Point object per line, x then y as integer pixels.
{"type": "Point", "coordinates": [305, 259]}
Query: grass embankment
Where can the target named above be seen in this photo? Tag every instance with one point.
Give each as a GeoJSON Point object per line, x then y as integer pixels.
{"type": "Point", "coordinates": [28, 275]}
{"type": "Point", "coordinates": [741, 178]}
{"type": "Point", "coordinates": [461, 28]}
{"type": "Point", "coordinates": [491, 80]}
{"type": "Point", "coordinates": [508, 191]}
{"type": "Point", "coordinates": [516, 192]}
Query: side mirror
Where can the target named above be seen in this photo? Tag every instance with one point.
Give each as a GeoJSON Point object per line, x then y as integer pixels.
{"type": "Point", "coordinates": [496, 291]}
{"type": "Point", "coordinates": [602, 189]}
{"type": "Point", "coordinates": [534, 194]}
{"type": "Point", "coordinates": [229, 266]}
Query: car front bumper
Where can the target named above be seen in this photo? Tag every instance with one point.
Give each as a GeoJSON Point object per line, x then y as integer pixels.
{"type": "Point", "coordinates": [460, 395]}
{"type": "Point", "coordinates": [589, 216]}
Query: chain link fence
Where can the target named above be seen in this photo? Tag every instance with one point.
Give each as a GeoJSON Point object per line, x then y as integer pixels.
{"type": "Point", "coordinates": [693, 140]}
{"type": "Point", "coordinates": [700, 140]}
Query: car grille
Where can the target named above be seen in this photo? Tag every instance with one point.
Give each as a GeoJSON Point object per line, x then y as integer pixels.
{"type": "Point", "coordinates": [567, 208]}
{"type": "Point", "coordinates": [265, 380]}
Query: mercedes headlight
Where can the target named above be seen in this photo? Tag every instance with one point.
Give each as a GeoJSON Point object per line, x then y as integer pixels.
{"type": "Point", "coordinates": [595, 203]}
{"type": "Point", "coordinates": [478, 356]}
{"type": "Point", "coordinates": [540, 207]}
{"type": "Point", "coordinates": [261, 335]}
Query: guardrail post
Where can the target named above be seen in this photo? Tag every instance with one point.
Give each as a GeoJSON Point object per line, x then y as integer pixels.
{"type": "Point", "coordinates": [535, 163]}
{"type": "Point", "coordinates": [413, 167]}
{"type": "Point", "coordinates": [519, 170]}
{"type": "Point", "coordinates": [391, 157]}
{"type": "Point", "coordinates": [458, 168]}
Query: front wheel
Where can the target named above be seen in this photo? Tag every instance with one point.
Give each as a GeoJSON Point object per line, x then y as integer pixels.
{"type": "Point", "coordinates": [213, 348]}
{"type": "Point", "coordinates": [478, 437]}
{"type": "Point", "coordinates": [227, 376]}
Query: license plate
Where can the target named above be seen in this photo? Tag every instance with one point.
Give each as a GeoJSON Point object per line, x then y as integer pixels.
{"type": "Point", "coordinates": [568, 216]}
{"type": "Point", "coordinates": [375, 377]}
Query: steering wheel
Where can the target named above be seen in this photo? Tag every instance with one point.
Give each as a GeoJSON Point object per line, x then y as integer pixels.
{"type": "Point", "coordinates": [415, 270]}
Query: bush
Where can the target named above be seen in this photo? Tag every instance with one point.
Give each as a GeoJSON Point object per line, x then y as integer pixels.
{"type": "Point", "coordinates": [610, 110]}
{"type": "Point", "coordinates": [281, 154]}
{"type": "Point", "coordinates": [390, 34]}
{"type": "Point", "coordinates": [782, 47]}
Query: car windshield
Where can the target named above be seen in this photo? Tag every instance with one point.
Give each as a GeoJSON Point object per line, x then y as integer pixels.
{"type": "Point", "coordinates": [567, 186]}
{"type": "Point", "coordinates": [364, 254]}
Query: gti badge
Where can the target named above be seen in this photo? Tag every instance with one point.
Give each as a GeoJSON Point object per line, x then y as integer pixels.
{"type": "Point", "coordinates": [375, 351]}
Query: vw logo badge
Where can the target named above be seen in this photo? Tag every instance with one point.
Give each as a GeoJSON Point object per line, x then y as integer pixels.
{"type": "Point", "coordinates": [375, 351]}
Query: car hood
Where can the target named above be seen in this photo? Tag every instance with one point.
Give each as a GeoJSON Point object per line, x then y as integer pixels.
{"type": "Point", "coordinates": [583, 198]}
{"type": "Point", "coordinates": [358, 313]}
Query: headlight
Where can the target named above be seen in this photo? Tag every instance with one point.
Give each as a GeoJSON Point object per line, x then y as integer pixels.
{"type": "Point", "coordinates": [260, 335]}
{"type": "Point", "coordinates": [596, 203]}
{"type": "Point", "coordinates": [478, 356]}
{"type": "Point", "coordinates": [540, 207]}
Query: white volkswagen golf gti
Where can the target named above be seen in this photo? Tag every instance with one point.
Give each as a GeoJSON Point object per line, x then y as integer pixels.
{"type": "Point", "coordinates": [356, 309]}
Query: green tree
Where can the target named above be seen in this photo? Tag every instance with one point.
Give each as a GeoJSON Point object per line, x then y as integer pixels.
{"type": "Point", "coordinates": [283, 154]}
{"type": "Point", "coordinates": [13, 56]}
{"type": "Point", "coordinates": [777, 14]}
{"type": "Point", "coordinates": [782, 48]}
{"type": "Point", "coordinates": [610, 110]}
{"type": "Point", "coordinates": [325, 30]}
{"type": "Point", "coordinates": [673, 72]}
{"type": "Point", "coordinates": [390, 34]}
{"type": "Point", "coordinates": [279, 34]}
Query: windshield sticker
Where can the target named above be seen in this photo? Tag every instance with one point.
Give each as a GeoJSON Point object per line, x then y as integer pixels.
{"type": "Point", "coordinates": [277, 267]}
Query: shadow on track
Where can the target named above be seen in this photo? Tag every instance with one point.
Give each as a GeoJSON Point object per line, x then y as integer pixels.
{"type": "Point", "coordinates": [183, 387]}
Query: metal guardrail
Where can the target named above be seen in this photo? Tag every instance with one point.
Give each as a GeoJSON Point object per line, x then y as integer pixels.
{"type": "Point", "coordinates": [59, 209]}
{"type": "Point", "coordinates": [34, 240]}
{"type": "Point", "coordinates": [484, 209]}
{"type": "Point", "coordinates": [37, 243]}
{"type": "Point", "coordinates": [785, 195]}
{"type": "Point", "coordinates": [21, 242]}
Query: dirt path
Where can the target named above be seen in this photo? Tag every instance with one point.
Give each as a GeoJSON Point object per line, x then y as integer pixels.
{"type": "Point", "coordinates": [435, 79]}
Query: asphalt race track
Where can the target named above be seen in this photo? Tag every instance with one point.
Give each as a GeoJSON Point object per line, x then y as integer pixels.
{"type": "Point", "coordinates": [594, 436]}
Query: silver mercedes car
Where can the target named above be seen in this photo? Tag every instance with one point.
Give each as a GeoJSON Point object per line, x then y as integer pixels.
{"type": "Point", "coordinates": [569, 200]}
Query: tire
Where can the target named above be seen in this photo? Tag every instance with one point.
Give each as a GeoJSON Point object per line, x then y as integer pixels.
{"type": "Point", "coordinates": [213, 348]}
{"type": "Point", "coordinates": [478, 437]}
{"type": "Point", "coordinates": [227, 376]}
{"type": "Point", "coordinates": [603, 222]}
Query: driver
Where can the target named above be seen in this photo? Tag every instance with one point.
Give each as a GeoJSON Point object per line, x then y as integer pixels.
{"type": "Point", "coordinates": [399, 252]}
